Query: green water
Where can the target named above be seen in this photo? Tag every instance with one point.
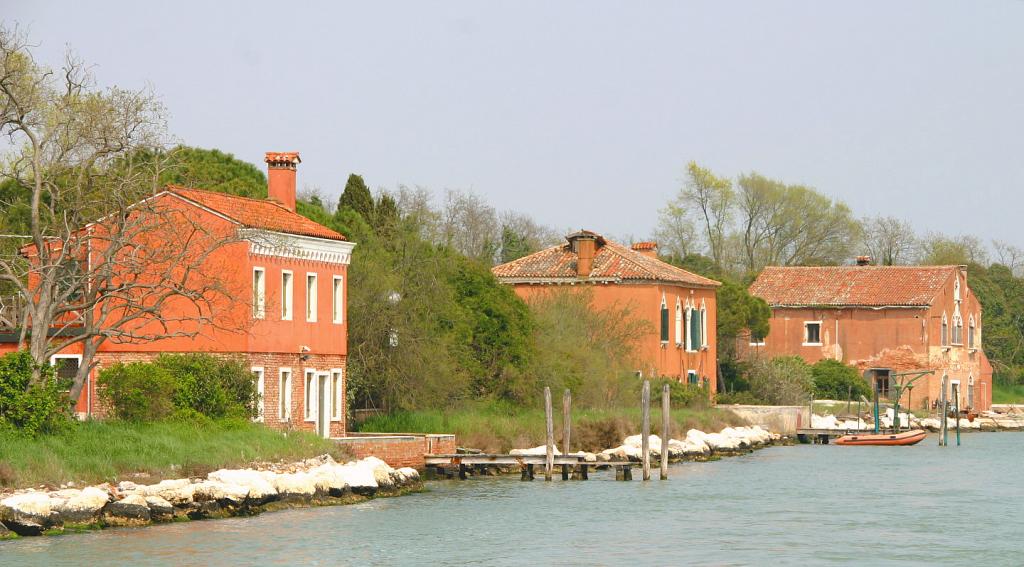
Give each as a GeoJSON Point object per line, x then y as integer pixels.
{"type": "Point", "coordinates": [802, 505]}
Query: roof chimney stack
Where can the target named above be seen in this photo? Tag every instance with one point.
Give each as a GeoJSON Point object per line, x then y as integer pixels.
{"type": "Point", "coordinates": [281, 168]}
{"type": "Point", "coordinates": [649, 249]}
{"type": "Point", "coordinates": [584, 244]}
{"type": "Point", "coordinates": [863, 260]}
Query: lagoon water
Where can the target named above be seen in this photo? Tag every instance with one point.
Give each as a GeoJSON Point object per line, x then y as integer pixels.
{"type": "Point", "coordinates": [800, 505]}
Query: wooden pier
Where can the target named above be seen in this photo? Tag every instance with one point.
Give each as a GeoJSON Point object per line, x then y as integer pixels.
{"type": "Point", "coordinates": [572, 466]}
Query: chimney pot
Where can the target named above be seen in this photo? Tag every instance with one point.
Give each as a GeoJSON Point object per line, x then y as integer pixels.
{"type": "Point", "coordinates": [585, 244]}
{"type": "Point", "coordinates": [649, 249]}
{"type": "Point", "coordinates": [281, 170]}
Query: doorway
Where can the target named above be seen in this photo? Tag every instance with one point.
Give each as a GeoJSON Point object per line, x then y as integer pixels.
{"type": "Point", "coordinates": [323, 405]}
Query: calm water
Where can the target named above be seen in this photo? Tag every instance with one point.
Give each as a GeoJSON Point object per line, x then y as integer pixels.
{"type": "Point", "coordinates": [786, 505]}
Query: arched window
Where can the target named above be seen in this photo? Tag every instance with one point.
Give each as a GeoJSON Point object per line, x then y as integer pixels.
{"type": "Point", "coordinates": [970, 332]}
{"type": "Point", "coordinates": [693, 329]}
{"type": "Point", "coordinates": [956, 289]}
{"type": "Point", "coordinates": [703, 324]}
{"type": "Point", "coordinates": [689, 326]}
{"type": "Point", "coordinates": [679, 322]}
{"type": "Point", "coordinates": [664, 320]}
{"type": "Point", "coordinates": [945, 330]}
{"type": "Point", "coordinates": [958, 328]}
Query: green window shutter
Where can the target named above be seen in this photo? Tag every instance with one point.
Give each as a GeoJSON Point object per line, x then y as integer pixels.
{"type": "Point", "coordinates": [664, 324]}
{"type": "Point", "coordinates": [694, 329]}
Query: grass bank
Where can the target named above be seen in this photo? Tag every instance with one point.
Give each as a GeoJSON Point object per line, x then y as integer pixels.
{"type": "Point", "coordinates": [498, 429]}
{"type": "Point", "coordinates": [1008, 394]}
{"type": "Point", "coordinates": [110, 451]}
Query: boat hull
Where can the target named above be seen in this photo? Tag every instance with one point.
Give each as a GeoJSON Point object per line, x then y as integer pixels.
{"type": "Point", "coordinates": [911, 437]}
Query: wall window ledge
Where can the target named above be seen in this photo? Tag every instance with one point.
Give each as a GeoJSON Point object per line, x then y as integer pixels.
{"type": "Point", "coordinates": [813, 344]}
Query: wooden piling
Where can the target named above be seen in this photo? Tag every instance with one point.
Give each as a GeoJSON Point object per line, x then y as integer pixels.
{"type": "Point", "coordinates": [549, 464]}
{"type": "Point", "coordinates": [645, 434]}
{"type": "Point", "coordinates": [666, 423]}
{"type": "Point", "coordinates": [566, 420]}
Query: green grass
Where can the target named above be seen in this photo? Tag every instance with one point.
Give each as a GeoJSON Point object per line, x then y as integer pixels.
{"type": "Point", "coordinates": [111, 451]}
{"type": "Point", "coordinates": [1008, 393]}
{"type": "Point", "coordinates": [495, 428]}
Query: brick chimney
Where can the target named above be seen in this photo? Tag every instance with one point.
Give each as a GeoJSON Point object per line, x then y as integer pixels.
{"type": "Point", "coordinates": [585, 244]}
{"type": "Point", "coordinates": [649, 249]}
{"type": "Point", "coordinates": [863, 260]}
{"type": "Point", "coordinates": [281, 168]}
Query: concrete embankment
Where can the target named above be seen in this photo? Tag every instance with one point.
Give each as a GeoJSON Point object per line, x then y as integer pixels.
{"type": "Point", "coordinates": [223, 493]}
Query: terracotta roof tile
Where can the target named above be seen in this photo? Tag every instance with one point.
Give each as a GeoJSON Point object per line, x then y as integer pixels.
{"type": "Point", "coordinates": [867, 286]}
{"type": "Point", "coordinates": [256, 213]}
{"type": "Point", "coordinates": [613, 262]}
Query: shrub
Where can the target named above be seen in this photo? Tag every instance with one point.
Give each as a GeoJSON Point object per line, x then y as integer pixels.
{"type": "Point", "coordinates": [31, 409]}
{"type": "Point", "coordinates": [138, 391]}
{"type": "Point", "coordinates": [783, 380]}
{"type": "Point", "coordinates": [681, 395]}
{"type": "Point", "coordinates": [214, 387]}
{"type": "Point", "coordinates": [834, 380]}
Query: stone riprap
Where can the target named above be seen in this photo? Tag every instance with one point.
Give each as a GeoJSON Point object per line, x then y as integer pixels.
{"type": "Point", "coordinates": [223, 493]}
{"type": "Point", "coordinates": [985, 421]}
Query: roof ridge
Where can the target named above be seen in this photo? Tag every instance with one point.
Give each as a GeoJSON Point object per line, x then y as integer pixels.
{"type": "Point", "coordinates": [633, 256]}
{"type": "Point", "coordinates": [172, 187]}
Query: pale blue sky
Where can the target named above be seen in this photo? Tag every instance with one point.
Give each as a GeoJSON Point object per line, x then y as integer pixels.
{"type": "Point", "coordinates": [584, 114]}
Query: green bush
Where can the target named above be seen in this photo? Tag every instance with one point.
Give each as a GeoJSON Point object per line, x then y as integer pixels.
{"type": "Point", "coordinates": [834, 380]}
{"type": "Point", "coordinates": [31, 409]}
{"type": "Point", "coordinates": [681, 395]}
{"type": "Point", "coordinates": [214, 387]}
{"type": "Point", "coordinates": [783, 380]}
{"type": "Point", "coordinates": [138, 391]}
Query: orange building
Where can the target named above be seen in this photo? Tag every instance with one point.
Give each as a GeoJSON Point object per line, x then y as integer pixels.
{"type": "Point", "coordinates": [286, 279]}
{"type": "Point", "coordinates": [679, 305]}
{"type": "Point", "coordinates": [884, 320]}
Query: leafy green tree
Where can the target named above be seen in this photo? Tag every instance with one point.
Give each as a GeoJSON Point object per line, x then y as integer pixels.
{"type": "Point", "coordinates": [834, 380]}
{"type": "Point", "coordinates": [214, 170]}
{"type": "Point", "coordinates": [31, 408]}
{"type": "Point", "coordinates": [357, 197]}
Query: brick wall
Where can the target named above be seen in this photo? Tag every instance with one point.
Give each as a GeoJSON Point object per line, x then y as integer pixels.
{"type": "Point", "coordinates": [399, 450]}
{"type": "Point", "coordinates": [272, 364]}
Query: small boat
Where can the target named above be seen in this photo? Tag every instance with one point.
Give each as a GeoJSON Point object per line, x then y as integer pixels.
{"type": "Point", "coordinates": [911, 437]}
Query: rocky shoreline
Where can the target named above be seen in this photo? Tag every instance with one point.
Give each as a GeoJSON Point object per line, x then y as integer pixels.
{"type": "Point", "coordinates": [223, 493]}
{"type": "Point", "coordinates": [696, 446]}
{"type": "Point", "coordinates": [985, 421]}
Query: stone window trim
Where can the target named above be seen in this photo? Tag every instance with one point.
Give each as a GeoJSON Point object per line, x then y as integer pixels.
{"type": "Point", "coordinates": [679, 323]}
{"type": "Point", "coordinates": [309, 397]}
{"type": "Point", "coordinates": [807, 333]}
{"type": "Point", "coordinates": [337, 387]}
{"type": "Point", "coordinates": [284, 394]}
{"type": "Point", "coordinates": [703, 325]}
{"type": "Point", "coordinates": [957, 338]}
{"type": "Point", "coordinates": [259, 292]}
{"type": "Point", "coordinates": [691, 313]}
{"type": "Point", "coordinates": [338, 299]}
{"type": "Point", "coordinates": [287, 294]}
{"type": "Point", "coordinates": [261, 388]}
{"type": "Point", "coordinates": [312, 303]}
{"type": "Point", "coordinates": [944, 332]}
{"type": "Point", "coordinates": [663, 315]}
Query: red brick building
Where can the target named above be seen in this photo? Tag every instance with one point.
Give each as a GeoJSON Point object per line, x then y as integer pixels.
{"type": "Point", "coordinates": [288, 279]}
{"type": "Point", "coordinates": [883, 320]}
{"type": "Point", "coordinates": [679, 305]}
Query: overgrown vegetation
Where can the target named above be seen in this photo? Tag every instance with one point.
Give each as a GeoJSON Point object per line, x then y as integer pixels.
{"type": "Point", "coordinates": [834, 380]}
{"type": "Point", "coordinates": [110, 451]}
{"type": "Point", "coordinates": [31, 408]}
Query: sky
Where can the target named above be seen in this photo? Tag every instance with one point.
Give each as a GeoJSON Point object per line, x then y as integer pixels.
{"type": "Point", "coordinates": [585, 114]}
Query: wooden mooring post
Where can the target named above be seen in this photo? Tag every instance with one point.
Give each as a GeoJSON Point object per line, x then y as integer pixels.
{"type": "Point", "coordinates": [666, 423]}
{"type": "Point", "coordinates": [549, 463]}
{"type": "Point", "coordinates": [566, 428]}
{"type": "Point", "coordinates": [645, 433]}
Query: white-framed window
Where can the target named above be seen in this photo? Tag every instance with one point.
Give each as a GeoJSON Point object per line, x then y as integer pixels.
{"type": "Point", "coordinates": [944, 333]}
{"type": "Point", "coordinates": [284, 394]}
{"type": "Point", "coordinates": [309, 395]}
{"type": "Point", "coordinates": [756, 340]}
{"type": "Point", "coordinates": [337, 397]}
{"type": "Point", "coordinates": [958, 328]}
{"type": "Point", "coordinates": [703, 324]}
{"type": "Point", "coordinates": [260, 390]}
{"type": "Point", "coordinates": [338, 303]}
{"type": "Point", "coordinates": [311, 299]}
{"type": "Point", "coordinates": [259, 293]}
{"type": "Point", "coordinates": [689, 339]}
{"type": "Point", "coordinates": [286, 295]}
{"type": "Point", "coordinates": [812, 333]}
{"type": "Point", "coordinates": [664, 320]}
{"type": "Point", "coordinates": [679, 322]}
{"type": "Point", "coordinates": [692, 378]}
{"type": "Point", "coordinates": [66, 365]}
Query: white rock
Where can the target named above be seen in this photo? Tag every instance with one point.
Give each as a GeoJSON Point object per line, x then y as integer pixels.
{"type": "Point", "coordinates": [177, 491]}
{"type": "Point", "coordinates": [86, 502]}
{"type": "Point", "coordinates": [294, 484]}
{"type": "Point", "coordinates": [29, 503]}
{"type": "Point", "coordinates": [358, 475]}
{"type": "Point", "coordinates": [258, 486]}
{"type": "Point", "coordinates": [534, 451]}
{"type": "Point", "coordinates": [219, 491]}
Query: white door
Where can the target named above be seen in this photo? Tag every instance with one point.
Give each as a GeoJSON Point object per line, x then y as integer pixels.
{"type": "Point", "coordinates": [323, 409]}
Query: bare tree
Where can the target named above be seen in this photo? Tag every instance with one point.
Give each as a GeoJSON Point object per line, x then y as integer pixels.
{"type": "Point", "coordinates": [470, 226]}
{"type": "Point", "coordinates": [890, 241]}
{"type": "Point", "coordinates": [712, 196]}
{"type": "Point", "coordinates": [937, 249]}
{"type": "Point", "coordinates": [104, 257]}
{"type": "Point", "coordinates": [1009, 255]}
